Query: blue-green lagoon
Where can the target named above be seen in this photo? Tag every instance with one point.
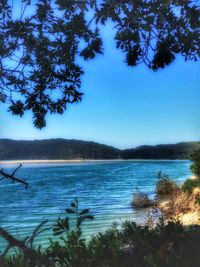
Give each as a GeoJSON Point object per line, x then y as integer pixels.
{"type": "Point", "coordinates": [105, 188]}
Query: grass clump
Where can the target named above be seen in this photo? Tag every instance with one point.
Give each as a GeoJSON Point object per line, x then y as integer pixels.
{"type": "Point", "coordinates": [164, 185]}
{"type": "Point", "coordinates": [141, 200]}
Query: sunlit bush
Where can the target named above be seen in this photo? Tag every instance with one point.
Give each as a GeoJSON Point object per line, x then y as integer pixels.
{"type": "Point", "coordinates": [164, 185]}
{"type": "Point", "coordinates": [141, 200]}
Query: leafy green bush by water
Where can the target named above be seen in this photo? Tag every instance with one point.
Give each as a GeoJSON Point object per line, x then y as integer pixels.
{"type": "Point", "coordinates": [195, 157]}
{"type": "Point", "coordinates": [164, 185]}
{"type": "Point", "coordinates": [74, 252]}
{"type": "Point", "coordinates": [190, 184]}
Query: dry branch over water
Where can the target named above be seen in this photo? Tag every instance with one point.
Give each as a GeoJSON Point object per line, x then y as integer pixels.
{"type": "Point", "coordinates": [12, 177]}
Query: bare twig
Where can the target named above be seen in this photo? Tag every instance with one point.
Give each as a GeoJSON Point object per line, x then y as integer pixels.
{"type": "Point", "coordinates": [20, 165]}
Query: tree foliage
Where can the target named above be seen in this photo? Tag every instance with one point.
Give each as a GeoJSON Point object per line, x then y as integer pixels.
{"type": "Point", "coordinates": [40, 41]}
{"type": "Point", "coordinates": [38, 51]}
{"type": "Point", "coordinates": [153, 32]}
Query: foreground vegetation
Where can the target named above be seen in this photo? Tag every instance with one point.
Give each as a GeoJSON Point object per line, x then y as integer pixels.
{"type": "Point", "coordinates": [129, 245]}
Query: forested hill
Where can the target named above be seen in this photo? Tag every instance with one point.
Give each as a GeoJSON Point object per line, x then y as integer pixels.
{"type": "Point", "coordinates": [76, 149]}
{"type": "Point", "coordinates": [55, 149]}
{"type": "Point", "coordinates": [174, 151]}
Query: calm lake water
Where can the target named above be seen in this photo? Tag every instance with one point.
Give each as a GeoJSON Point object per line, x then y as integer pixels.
{"type": "Point", "coordinates": [104, 187]}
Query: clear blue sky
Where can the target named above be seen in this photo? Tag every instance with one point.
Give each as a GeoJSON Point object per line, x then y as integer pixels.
{"type": "Point", "coordinates": [123, 106]}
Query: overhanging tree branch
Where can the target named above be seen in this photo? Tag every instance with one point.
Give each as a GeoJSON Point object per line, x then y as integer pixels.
{"type": "Point", "coordinates": [40, 45]}
{"type": "Point", "coordinates": [13, 242]}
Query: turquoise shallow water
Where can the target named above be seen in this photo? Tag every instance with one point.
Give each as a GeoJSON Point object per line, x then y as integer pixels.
{"type": "Point", "coordinates": [104, 187]}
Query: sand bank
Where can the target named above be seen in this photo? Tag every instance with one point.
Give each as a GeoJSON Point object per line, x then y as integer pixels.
{"type": "Point", "coordinates": [38, 161]}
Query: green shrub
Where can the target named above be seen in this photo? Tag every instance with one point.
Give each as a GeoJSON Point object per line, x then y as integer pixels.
{"type": "Point", "coordinates": [195, 157]}
{"type": "Point", "coordinates": [107, 244]}
{"type": "Point", "coordinates": [164, 185]}
{"type": "Point", "coordinates": [190, 184]}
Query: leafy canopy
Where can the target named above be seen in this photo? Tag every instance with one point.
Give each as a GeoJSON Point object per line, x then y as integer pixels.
{"type": "Point", "coordinates": [40, 41]}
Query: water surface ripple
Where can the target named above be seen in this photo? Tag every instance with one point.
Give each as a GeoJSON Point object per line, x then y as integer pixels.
{"type": "Point", "coordinates": [104, 187]}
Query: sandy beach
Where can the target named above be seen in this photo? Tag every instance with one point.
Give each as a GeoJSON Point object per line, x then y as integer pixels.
{"type": "Point", "coordinates": [44, 161]}
{"type": "Point", "coordinates": [38, 161]}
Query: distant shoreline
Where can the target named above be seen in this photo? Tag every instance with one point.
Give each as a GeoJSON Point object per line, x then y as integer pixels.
{"type": "Point", "coordinates": [42, 161]}
{"type": "Point", "coordinates": [78, 151]}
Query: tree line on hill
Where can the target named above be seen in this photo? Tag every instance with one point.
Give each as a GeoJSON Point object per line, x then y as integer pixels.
{"type": "Point", "coordinates": [76, 149]}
